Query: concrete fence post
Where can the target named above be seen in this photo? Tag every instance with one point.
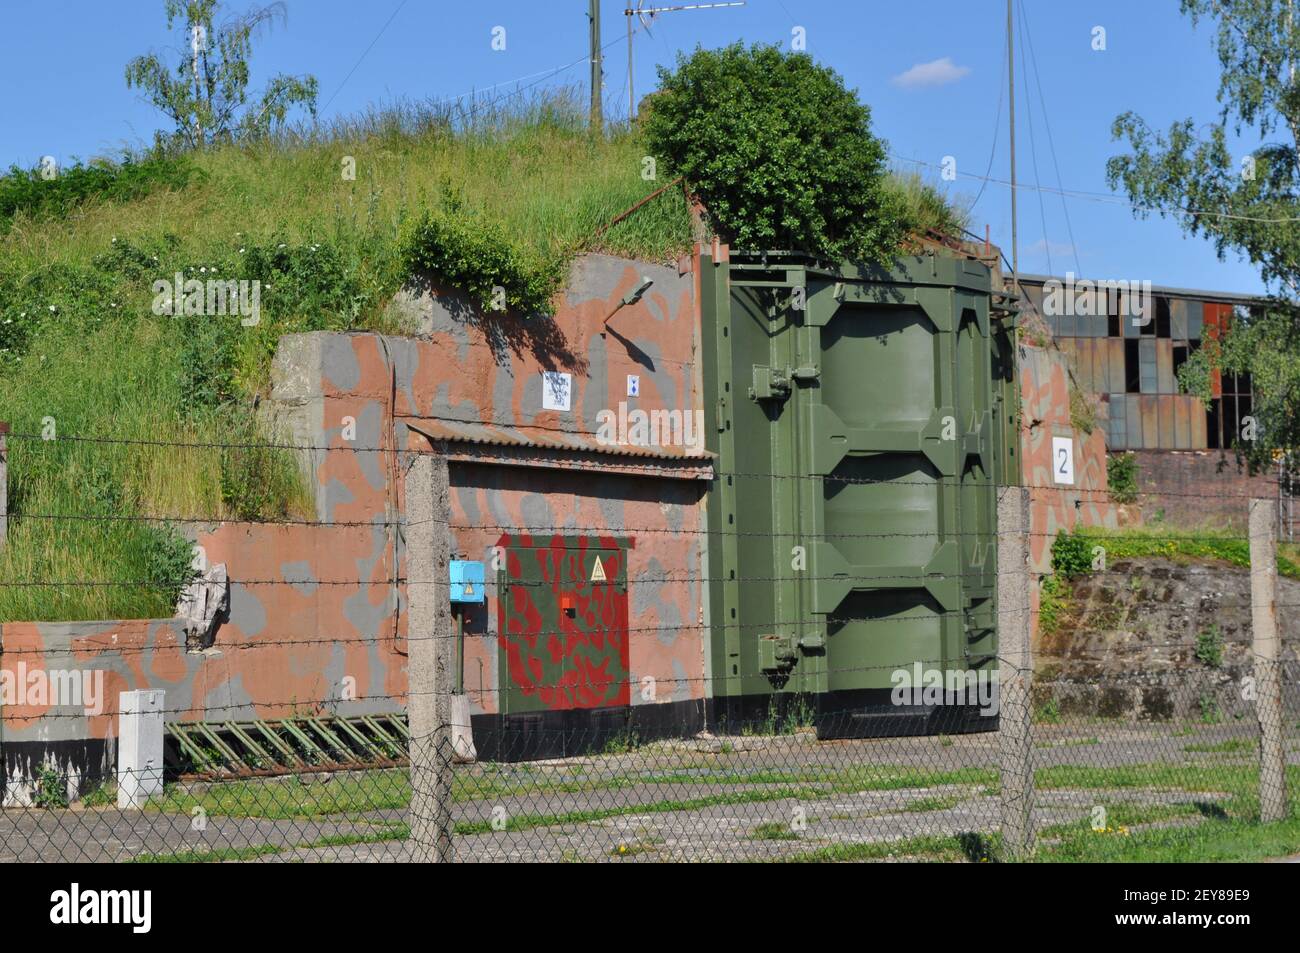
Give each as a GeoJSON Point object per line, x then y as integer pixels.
{"type": "Point", "coordinates": [4, 482]}
{"type": "Point", "coordinates": [139, 747]}
{"type": "Point", "coordinates": [1015, 672]}
{"type": "Point", "coordinates": [1266, 651]}
{"type": "Point", "coordinates": [430, 652]}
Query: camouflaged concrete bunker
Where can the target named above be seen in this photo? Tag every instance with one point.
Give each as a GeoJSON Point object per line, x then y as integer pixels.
{"type": "Point", "coordinates": [862, 420]}
{"type": "Point", "coordinates": [702, 494]}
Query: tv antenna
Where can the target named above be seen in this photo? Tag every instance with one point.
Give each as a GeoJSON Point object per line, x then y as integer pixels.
{"type": "Point", "coordinates": [646, 16]}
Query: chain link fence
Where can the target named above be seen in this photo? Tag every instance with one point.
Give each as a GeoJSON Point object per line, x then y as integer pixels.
{"type": "Point", "coordinates": [1115, 774]}
{"type": "Point", "coordinates": [1150, 741]}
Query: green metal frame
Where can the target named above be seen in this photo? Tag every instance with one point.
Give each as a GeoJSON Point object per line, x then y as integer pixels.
{"type": "Point", "coordinates": [287, 745]}
{"type": "Point", "coordinates": [816, 392]}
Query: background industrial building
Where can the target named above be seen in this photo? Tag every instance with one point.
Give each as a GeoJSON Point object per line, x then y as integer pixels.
{"type": "Point", "coordinates": [1129, 370]}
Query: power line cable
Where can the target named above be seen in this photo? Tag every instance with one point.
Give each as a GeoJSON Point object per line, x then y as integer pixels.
{"type": "Point", "coordinates": [997, 125]}
{"type": "Point", "coordinates": [1104, 197]}
{"type": "Point", "coordinates": [1033, 160]}
{"type": "Point", "coordinates": [365, 53]}
{"type": "Point", "coordinates": [1051, 143]}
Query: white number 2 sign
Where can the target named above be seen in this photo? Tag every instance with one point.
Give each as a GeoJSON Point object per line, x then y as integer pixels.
{"type": "Point", "coordinates": [1063, 460]}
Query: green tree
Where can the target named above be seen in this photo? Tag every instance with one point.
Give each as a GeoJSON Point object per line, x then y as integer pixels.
{"type": "Point", "coordinates": [779, 151]}
{"type": "Point", "coordinates": [206, 93]}
{"type": "Point", "coordinates": [1247, 204]}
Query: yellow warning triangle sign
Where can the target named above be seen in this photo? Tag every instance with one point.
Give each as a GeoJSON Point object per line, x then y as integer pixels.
{"type": "Point", "coordinates": [469, 589]}
{"type": "Point", "coordinates": [598, 571]}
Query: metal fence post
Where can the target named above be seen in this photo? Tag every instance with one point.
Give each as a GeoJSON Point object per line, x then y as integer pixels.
{"type": "Point", "coordinates": [429, 658]}
{"type": "Point", "coordinates": [1015, 672]}
{"type": "Point", "coordinates": [1265, 647]}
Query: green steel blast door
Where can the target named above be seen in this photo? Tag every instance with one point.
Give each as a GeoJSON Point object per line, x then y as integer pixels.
{"type": "Point", "coordinates": [862, 426]}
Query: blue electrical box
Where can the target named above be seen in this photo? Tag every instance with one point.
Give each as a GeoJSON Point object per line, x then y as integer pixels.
{"type": "Point", "coordinates": [466, 581]}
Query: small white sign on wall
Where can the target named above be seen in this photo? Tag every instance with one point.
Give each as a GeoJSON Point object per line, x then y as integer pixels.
{"type": "Point", "coordinates": [633, 385]}
{"type": "Point", "coordinates": [1063, 460]}
{"type": "Point", "coordinates": [557, 390]}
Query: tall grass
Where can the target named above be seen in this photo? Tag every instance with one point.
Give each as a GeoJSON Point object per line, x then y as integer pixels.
{"type": "Point", "coordinates": [82, 353]}
{"type": "Point", "coordinates": [67, 495]}
{"type": "Point", "coordinates": [40, 193]}
{"type": "Point", "coordinates": [925, 207]}
{"type": "Point", "coordinates": [81, 347]}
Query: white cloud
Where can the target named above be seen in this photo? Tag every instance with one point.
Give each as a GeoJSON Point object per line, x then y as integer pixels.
{"type": "Point", "coordinates": [938, 72]}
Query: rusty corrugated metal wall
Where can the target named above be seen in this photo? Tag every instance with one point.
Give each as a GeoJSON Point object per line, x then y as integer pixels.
{"type": "Point", "coordinates": [1132, 366]}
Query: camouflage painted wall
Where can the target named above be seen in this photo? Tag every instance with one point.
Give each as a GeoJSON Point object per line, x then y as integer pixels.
{"type": "Point", "coordinates": [317, 619]}
{"type": "Point", "coordinates": [1045, 389]}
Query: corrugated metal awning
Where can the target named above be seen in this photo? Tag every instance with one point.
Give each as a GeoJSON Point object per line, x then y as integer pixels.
{"type": "Point", "coordinates": [681, 462]}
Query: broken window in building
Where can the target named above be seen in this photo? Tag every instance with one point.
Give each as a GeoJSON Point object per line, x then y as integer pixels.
{"type": "Point", "coordinates": [1162, 322]}
{"type": "Point", "coordinates": [1132, 371]}
{"type": "Point", "coordinates": [1181, 352]}
{"type": "Point", "coordinates": [1233, 407]}
{"type": "Point", "coordinates": [1135, 362]}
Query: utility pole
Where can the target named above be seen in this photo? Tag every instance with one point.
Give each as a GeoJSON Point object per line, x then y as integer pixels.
{"type": "Point", "coordinates": [1011, 84]}
{"type": "Point", "coordinates": [631, 95]}
{"type": "Point", "coordinates": [597, 112]}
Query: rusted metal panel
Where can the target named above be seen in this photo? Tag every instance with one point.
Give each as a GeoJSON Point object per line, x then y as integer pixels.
{"type": "Point", "coordinates": [1200, 437]}
{"type": "Point", "coordinates": [1149, 380]}
{"type": "Point", "coordinates": [1066, 325]}
{"type": "Point", "coordinates": [1117, 425]}
{"type": "Point", "coordinates": [1213, 314]}
{"type": "Point", "coordinates": [1165, 366]}
{"type": "Point", "coordinates": [1091, 381]}
{"type": "Point", "coordinates": [1165, 420]}
{"type": "Point", "coordinates": [1183, 410]}
{"type": "Point", "coordinates": [1149, 413]}
{"type": "Point", "coordinates": [1132, 324]}
{"type": "Point", "coordinates": [1133, 418]}
{"type": "Point", "coordinates": [1115, 365]}
{"type": "Point", "coordinates": [1069, 348]}
{"type": "Point", "coordinates": [1076, 352]}
{"type": "Point", "coordinates": [1179, 309]}
{"type": "Point", "coordinates": [1033, 301]}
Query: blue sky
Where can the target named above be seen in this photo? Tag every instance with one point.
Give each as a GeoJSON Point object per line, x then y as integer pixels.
{"type": "Point", "coordinates": [65, 94]}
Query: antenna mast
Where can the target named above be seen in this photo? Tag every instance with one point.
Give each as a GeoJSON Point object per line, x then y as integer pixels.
{"type": "Point", "coordinates": [1011, 84]}
{"type": "Point", "coordinates": [646, 15]}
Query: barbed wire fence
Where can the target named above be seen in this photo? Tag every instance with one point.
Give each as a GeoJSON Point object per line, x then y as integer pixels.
{"type": "Point", "coordinates": [1078, 764]}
